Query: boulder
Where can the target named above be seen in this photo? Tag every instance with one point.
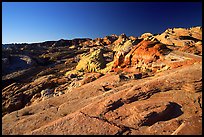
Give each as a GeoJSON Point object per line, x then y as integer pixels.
{"type": "Point", "coordinates": [15, 103]}
{"type": "Point", "coordinates": [146, 36]}
{"type": "Point", "coordinates": [92, 62]}
{"type": "Point", "coordinates": [89, 77]}
{"type": "Point", "coordinates": [143, 53]}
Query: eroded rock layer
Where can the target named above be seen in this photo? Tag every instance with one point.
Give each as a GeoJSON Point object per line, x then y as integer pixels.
{"type": "Point", "coordinates": [116, 85]}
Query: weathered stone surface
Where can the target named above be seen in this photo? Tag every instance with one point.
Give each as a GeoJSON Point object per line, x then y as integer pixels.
{"type": "Point", "coordinates": [92, 62]}
{"type": "Point", "coordinates": [120, 86]}
{"type": "Point", "coordinates": [89, 77]}
{"type": "Point", "coordinates": [182, 38]}
{"type": "Point", "coordinates": [143, 53]}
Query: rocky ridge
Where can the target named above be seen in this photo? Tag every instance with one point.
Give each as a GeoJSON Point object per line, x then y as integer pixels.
{"type": "Point", "coordinates": [150, 84]}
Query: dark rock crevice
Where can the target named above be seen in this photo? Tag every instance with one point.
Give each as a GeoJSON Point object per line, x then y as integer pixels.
{"type": "Point", "coordinates": [172, 110]}
{"type": "Point", "coordinates": [200, 102]}
{"type": "Point", "coordinates": [115, 105]}
{"type": "Point", "coordinates": [142, 95]}
{"type": "Point", "coordinates": [188, 38]}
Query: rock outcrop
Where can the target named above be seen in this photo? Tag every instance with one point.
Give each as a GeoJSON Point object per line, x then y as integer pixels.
{"type": "Point", "coordinates": [140, 55]}
{"type": "Point", "coordinates": [115, 85]}
{"type": "Point", "coordinates": [184, 39]}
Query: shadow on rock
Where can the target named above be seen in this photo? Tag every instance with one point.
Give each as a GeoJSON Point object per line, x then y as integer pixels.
{"type": "Point", "coordinates": [172, 110]}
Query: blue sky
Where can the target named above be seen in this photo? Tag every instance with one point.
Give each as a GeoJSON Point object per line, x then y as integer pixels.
{"type": "Point", "coordinates": [42, 21]}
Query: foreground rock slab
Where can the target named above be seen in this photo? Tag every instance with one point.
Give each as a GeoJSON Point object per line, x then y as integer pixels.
{"type": "Point", "coordinates": [136, 108]}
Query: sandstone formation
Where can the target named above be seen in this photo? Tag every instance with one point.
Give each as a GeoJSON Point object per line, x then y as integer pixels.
{"type": "Point", "coordinates": [183, 39]}
{"type": "Point", "coordinates": [115, 85]}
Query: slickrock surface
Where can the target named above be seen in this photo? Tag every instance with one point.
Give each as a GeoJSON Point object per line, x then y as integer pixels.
{"type": "Point", "coordinates": [116, 85]}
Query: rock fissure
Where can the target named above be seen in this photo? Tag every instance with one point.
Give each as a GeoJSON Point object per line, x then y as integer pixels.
{"type": "Point", "coordinates": [121, 127]}
{"type": "Point", "coordinates": [199, 102]}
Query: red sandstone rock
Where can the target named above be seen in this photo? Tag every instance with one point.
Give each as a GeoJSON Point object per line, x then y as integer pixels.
{"type": "Point", "coordinates": [144, 52]}
{"type": "Point", "coordinates": [124, 102]}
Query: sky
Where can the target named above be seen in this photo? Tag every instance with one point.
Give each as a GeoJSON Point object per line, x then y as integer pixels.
{"type": "Point", "coordinates": [29, 22]}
